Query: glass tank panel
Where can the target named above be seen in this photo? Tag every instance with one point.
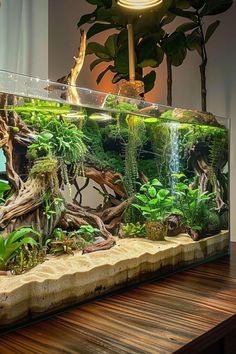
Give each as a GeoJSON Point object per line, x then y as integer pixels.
{"type": "Point", "coordinates": [84, 171]}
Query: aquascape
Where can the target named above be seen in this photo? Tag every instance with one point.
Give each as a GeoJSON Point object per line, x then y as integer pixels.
{"type": "Point", "coordinates": [145, 185]}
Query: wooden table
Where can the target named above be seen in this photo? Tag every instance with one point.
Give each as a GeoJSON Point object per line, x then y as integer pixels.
{"type": "Point", "coordinates": [189, 312]}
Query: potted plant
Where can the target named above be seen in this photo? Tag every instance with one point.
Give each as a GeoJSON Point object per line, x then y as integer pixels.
{"type": "Point", "coordinates": [156, 204]}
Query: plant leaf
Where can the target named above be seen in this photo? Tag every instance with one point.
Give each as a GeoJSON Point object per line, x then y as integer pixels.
{"type": "Point", "coordinates": [197, 4]}
{"type": "Point", "coordinates": [99, 27]}
{"type": "Point", "coordinates": [185, 27]}
{"type": "Point", "coordinates": [215, 7]}
{"type": "Point", "coordinates": [111, 44]}
{"type": "Point", "coordinates": [95, 63]}
{"type": "Point", "coordinates": [87, 18]}
{"type": "Point", "coordinates": [211, 29]}
{"type": "Point", "coordinates": [149, 81]}
{"type": "Point", "coordinates": [101, 75]}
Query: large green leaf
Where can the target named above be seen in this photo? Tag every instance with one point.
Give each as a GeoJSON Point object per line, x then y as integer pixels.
{"type": "Point", "coordinates": [211, 29]}
{"type": "Point", "coordinates": [175, 47]}
{"type": "Point", "coordinates": [186, 14]}
{"type": "Point", "coordinates": [182, 4]}
{"type": "Point", "coordinates": [99, 27]}
{"type": "Point", "coordinates": [4, 186]}
{"type": "Point", "coordinates": [185, 27]}
{"type": "Point", "coordinates": [106, 3]}
{"type": "Point", "coordinates": [18, 234]}
{"type": "Point", "coordinates": [87, 18]}
{"type": "Point", "coordinates": [194, 41]}
{"type": "Point", "coordinates": [95, 63]}
{"type": "Point", "coordinates": [99, 50]}
{"type": "Point", "coordinates": [117, 77]}
{"type": "Point", "coordinates": [101, 75]}
{"type": "Point", "coordinates": [111, 44]}
{"type": "Point", "coordinates": [197, 4]}
{"type": "Point", "coordinates": [214, 7]}
{"type": "Point", "coordinates": [121, 62]}
{"type": "Point", "coordinates": [2, 246]}
{"type": "Point", "coordinates": [149, 81]}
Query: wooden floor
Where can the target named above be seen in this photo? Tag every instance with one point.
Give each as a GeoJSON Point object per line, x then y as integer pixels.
{"type": "Point", "coordinates": [181, 314]}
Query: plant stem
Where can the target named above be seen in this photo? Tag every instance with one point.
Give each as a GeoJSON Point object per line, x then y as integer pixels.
{"type": "Point", "coordinates": [169, 81]}
{"type": "Point", "coordinates": [203, 65]}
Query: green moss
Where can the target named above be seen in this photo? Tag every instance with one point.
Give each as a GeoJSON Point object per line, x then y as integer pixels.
{"type": "Point", "coordinates": [97, 155]}
{"type": "Point", "coordinates": [43, 166]}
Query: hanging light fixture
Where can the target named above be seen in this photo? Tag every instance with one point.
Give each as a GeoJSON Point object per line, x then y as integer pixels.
{"type": "Point", "coordinates": [139, 4]}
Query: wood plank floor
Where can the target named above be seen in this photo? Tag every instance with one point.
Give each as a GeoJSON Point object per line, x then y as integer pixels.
{"type": "Point", "coordinates": [181, 314]}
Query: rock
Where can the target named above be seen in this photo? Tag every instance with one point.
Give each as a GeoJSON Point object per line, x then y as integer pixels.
{"type": "Point", "coordinates": [194, 116]}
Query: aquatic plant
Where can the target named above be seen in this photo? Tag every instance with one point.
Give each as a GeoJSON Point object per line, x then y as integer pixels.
{"type": "Point", "coordinates": [27, 258]}
{"type": "Point", "coordinates": [193, 204]}
{"type": "Point", "coordinates": [62, 242]}
{"type": "Point", "coordinates": [155, 202]}
{"type": "Point", "coordinates": [136, 139]}
{"type": "Point", "coordinates": [38, 113]}
{"type": "Point", "coordinates": [51, 204]}
{"type": "Point", "coordinates": [88, 232]}
{"type": "Point", "coordinates": [13, 243]}
{"type": "Point", "coordinates": [4, 187]}
{"type": "Point", "coordinates": [133, 230]}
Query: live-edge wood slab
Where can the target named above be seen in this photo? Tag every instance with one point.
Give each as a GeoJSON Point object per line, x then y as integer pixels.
{"type": "Point", "coordinates": [184, 313]}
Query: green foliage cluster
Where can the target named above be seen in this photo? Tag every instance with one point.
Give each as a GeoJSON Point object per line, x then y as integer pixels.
{"type": "Point", "coordinates": [66, 242]}
{"type": "Point", "coordinates": [12, 245]}
{"type": "Point", "coordinates": [197, 209]}
{"type": "Point", "coordinates": [38, 113]}
{"type": "Point", "coordinates": [119, 106]}
{"type": "Point", "coordinates": [27, 258]}
{"type": "Point", "coordinates": [159, 136]}
{"type": "Point", "coordinates": [96, 136]}
{"type": "Point", "coordinates": [152, 38]}
{"type": "Point", "coordinates": [131, 230]}
{"type": "Point", "coordinates": [4, 189]}
{"type": "Point", "coordinates": [136, 139]}
{"type": "Point", "coordinates": [51, 204]}
{"type": "Point", "coordinates": [62, 140]}
{"type": "Point", "coordinates": [155, 202]}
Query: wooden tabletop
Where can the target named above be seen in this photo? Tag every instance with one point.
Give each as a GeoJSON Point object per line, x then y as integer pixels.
{"type": "Point", "coordinates": [184, 313]}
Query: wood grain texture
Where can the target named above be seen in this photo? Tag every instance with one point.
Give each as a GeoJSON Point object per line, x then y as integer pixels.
{"type": "Point", "coordinates": [181, 314]}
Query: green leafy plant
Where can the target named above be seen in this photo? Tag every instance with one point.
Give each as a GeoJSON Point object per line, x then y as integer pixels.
{"type": "Point", "coordinates": [4, 187]}
{"type": "Point", "coordinates": [88, 232]}
{"type": "Point", "coordinates": [62, 242]}
{"type": "Point", "coordinates": [133, 230]}
{"type": "Point", "coordinates": [10, 246]}
{"type": "Point", "coordinates": [27, 259]}
{"type": "Point", "coordinates": [197, 36]}
{"type": "Point", "coordinates": [51, 204]}
{"type": "Point", "coordinates": [114, 52]}
{"type": "Point", "coordinates": [192, 204]}
{"type": "Point", "coordinates": [155, 202]}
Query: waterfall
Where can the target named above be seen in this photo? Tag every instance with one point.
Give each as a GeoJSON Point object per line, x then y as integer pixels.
{"type": "Point", "coordinates": [174, 165]}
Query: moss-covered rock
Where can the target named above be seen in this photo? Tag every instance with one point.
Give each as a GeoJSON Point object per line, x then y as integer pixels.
{"type": "Point", "coordinates": [194, 117]}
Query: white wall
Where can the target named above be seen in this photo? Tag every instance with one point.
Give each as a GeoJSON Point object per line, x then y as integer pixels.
{"type": "Point", "coordinates": [24, 37]}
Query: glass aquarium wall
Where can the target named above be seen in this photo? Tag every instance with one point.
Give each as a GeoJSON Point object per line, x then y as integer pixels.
{"type": "Point", "coordinates": [84, 171]}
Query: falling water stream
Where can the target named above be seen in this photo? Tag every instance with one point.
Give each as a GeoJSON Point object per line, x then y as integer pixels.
{"type": "Point", "coordinates": [174, 164]}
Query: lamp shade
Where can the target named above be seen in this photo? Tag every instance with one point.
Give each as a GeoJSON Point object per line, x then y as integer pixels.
{"type": "Point", "coordinates": [139, 4]}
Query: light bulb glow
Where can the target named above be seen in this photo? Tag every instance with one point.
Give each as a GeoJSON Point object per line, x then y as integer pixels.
{"type": "Point", "coordinates": [139, 4]}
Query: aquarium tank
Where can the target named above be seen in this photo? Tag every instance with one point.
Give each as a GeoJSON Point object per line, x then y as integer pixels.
{"type": "Point", "coordinates": [100, 191]}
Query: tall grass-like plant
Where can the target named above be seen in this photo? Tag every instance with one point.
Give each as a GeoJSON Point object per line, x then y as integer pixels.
{"type": "Point", "coordinates": [10, 246]}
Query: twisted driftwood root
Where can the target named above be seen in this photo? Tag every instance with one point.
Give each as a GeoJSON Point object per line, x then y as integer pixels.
{"type": "Point", "coordinates": [75, 216]}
